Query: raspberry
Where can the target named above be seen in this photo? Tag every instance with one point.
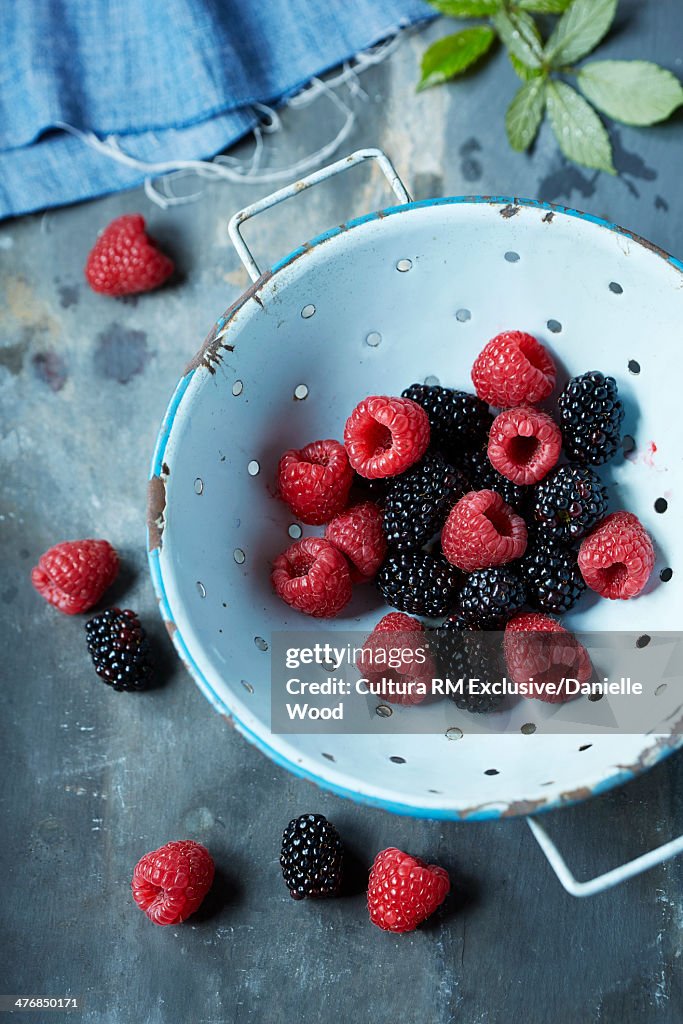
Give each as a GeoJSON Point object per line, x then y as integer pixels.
{"type": "Point", "coordinates": [490, 597]}
{"type": "Point", "coordinates": [403, 891]}
{"type": "Point", "coordinates": [311, 857]}
{"type": "Point", "coordinates": [482, 531]}
{"type": "Point", "coordinates": [467, 653]}
{"type": "Point", "coordinates": [396, 661]}
{"type": "Point", "coordinates": [313, 577]}
{"type": "Point", "coordinates": [616, 559]}
{"type": "Point", "coordinates": [119, 649]}
{"type": "Point", "coordinates": [513, 368]}
{"type": "Point", "coordinates": [315, 481]}
{"type": "Point", "coordinates": [482, 476]}
{"type": "Point", "coordinates": [457, 419]}
{"type": "Point", "coordinates": [384, 436]}
{"type": "Point", "coordinates": [524, 444]}
{"type": "Point", "coordinates": [551, 574]}
{"type": "Point", "coordinates": [569, 502]}
{"type": "Point", "coordinates": [591, 415]}
{"type": "Point", "coordinates": [170, 883]}
{"type": "Point", "coordinates": [419, 500]}
{"type": "Point", "coordinates": [125, 260]}
{"type": "Point", "coordinates": [538, 648]}
{"type": "Point", "coordinates": [358, 533]}
{"type": "Point", "coordinates": [74, 575]}
{"type": "Point", "coordinates": [416, 582]}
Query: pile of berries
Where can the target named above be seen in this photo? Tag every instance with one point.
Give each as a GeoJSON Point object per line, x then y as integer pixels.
{"type": "Point", "coordinates": [475, 508]}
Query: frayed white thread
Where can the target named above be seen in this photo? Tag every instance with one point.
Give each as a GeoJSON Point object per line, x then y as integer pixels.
{"type": "Point", "coordinates": [162, 175]}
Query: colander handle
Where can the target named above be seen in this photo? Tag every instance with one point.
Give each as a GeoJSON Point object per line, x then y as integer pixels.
{"type": "Point", "coordinates": [611, 878]}
{"type": "Point", "coordinates": [359, 157]}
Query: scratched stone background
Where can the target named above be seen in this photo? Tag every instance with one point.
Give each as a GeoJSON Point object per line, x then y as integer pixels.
{"type": "Point", "coordinates": [92, 779]}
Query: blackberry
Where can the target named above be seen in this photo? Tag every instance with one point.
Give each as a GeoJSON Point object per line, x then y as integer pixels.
{"type": "Point", "coordinates": [418, 501]}
{"type": "Point", "coordinates": [119, 649]}
{"type": "Point", "coordinates": [311, 857]}
{"type": "Point", "coordinates": [569, 502]}
{"type": "Point", "coordinates": [466, 653]}
{"type": "Point", "coordinates": [457, 419]}
{"type": "Point", "coordinates": [482, 476]}
{"type": "Point", "coordinates": [489, 597]}
{"type": "Point", "coordinates": [591, 415]}
{"type": "Point", "coordinates": [551, 575]}
{"type": "Point", "coordinates": [416, 582]}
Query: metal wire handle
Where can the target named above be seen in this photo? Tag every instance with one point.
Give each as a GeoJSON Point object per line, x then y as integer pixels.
{"type": "Point", "coordinates": [611, 878]}
{"type": "Point", "coordinates": [359, 157]}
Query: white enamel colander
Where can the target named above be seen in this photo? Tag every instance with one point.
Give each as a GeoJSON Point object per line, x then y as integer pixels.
{"type": "Point", "coordinates": [412, 293]}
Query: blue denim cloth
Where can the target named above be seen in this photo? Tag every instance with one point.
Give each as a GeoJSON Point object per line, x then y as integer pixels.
{"type": "Point", "coordinates": [172, 79]}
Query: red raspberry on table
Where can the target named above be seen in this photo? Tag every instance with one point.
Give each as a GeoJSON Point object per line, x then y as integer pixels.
{"type": "Point", "coordinates": [616, 559]}
{"type": "Point", "coordinates": [482, 531]}
{"type": "Point", "coordinates": [125, 260]}
{"type": "Point", "coordinates": [170, 883]}
{"type": "Point", "coordinates": [539, 648]}
{"type": "Point", "coordinates": [315, 481]}
{"type": "Point", "coordinates": [358, 533]}
{"type": "Point", "coordinates": [395, 657]}
{"type": "Point", "coordinates": [384, 436]}
{"type": "Point", "coordinates": [403, 891]}
{"type": "Point", "coordinates": [524, 444]}
{"type": "Point", "coordinates": [513, 367]}
{"type": "Point", "coordinates": [313, 577]}
{"type": "Point", "coordinates": [74, 575]}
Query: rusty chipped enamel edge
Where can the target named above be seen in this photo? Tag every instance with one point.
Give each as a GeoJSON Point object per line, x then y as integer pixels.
{"type": "Point", "coordinates": [208, 356]}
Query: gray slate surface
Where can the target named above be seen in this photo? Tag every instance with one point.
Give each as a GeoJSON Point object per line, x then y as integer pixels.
{"type": "Point", "coordinates": [92, 779]}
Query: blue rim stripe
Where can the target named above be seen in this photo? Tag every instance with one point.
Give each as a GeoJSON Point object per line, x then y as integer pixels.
{"type": "Point", "coordinates": [535, 204]}
{"type": "Point", "coordinates": [157, 579]}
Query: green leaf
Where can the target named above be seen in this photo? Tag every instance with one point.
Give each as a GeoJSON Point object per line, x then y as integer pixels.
{"type": "Point", "coordinates": [520, 34]}
{"type": "Point", "coordinates": [543, 6]}
{"type": "Point", "coordinates": [467, 8]}
{"type": "Point", "coordinates": [632, 91]}
{"type": "Point", "coordinates": [580, 29]}
{"type": "Point", "coordinates": [453, 54]}
{"type": "Point", "coordinates": [521, 70]}
{"type": "Point", "coordinates": [578, 129]}
{"type": "Point", "coordinates": [525, 113]}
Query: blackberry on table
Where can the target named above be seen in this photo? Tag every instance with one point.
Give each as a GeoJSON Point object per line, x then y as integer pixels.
{"type": "Point", "coordinates": [551, 575]}
{"type": "Point", "coordinates": [465, 652]}
{"type": "Point", "coordinates": [569, 502]}
{"type": "Point", "coordinates": [457, 419]}
{"type": "Point", "coordinates": [418, 583]}
{"type": "Point", "coordinates": [119, 649]}
{"type": "Point", "coordinates": [489, 597]}
{"type": "Point", "coordinates": [311, 857]}
{"type": "Point", "coordinates": [591, 414]}
{"type": "Point", "coordinates": [418, 501]}
{"type": "Point", "coordinates": [482, 476]}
